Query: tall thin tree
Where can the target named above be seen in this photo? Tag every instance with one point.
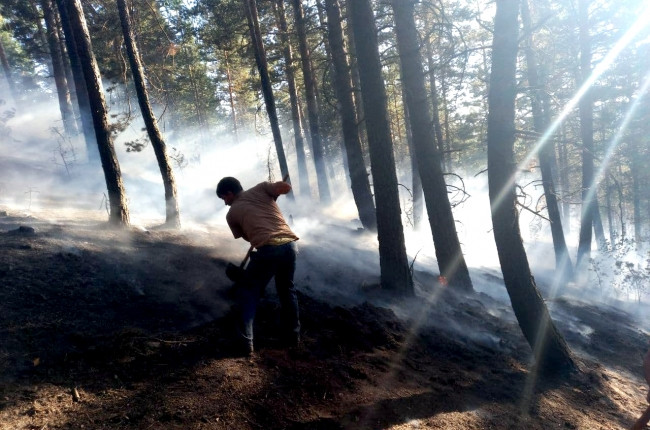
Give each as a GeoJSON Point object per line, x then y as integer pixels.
{"type": "Point", "coordinates": [563, 265]}
{"type": "Point", "coordinates": [312, 105]}
{"type": "Point", "coordinates": [548, 345]}
{"type": "Point", "coordinates": [157, 142]}
{"type": "Point", "coordinates": [86, 117]}
{"type": "Point", "coordinates": [353, 151]}
{"type": "Point", "coordinates": [395, 274]}
{"type": "Point", "coordinates": [585, 107]}
{"type": "Point", "coordinates": [267, 90]}
{"type": "Point", "coordinates": [289, 70]}
{"type": "Point", "coordinates": [119, 212]}
{"type": "Point", "coordinates": [441, 219]}
{"type": "Point", "coordinates": [60, 80]}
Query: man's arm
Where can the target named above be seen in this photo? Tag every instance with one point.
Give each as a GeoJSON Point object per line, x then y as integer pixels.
{"type": "Point", "coordinates": [280, 188]}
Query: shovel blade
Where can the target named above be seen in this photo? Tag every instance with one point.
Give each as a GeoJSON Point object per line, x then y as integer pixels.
{"type": "Point", "coordinates": [235, 273]}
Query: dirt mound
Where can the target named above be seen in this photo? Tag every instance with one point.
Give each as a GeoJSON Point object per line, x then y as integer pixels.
{"type": "Point", "coordinates": [105, 329]}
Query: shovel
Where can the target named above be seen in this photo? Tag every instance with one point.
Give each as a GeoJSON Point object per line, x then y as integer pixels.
{"type": "Point", "coordinates": [237, 273]}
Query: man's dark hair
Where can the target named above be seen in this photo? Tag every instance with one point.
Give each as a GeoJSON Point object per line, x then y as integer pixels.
{"type": "Point", "coordinates": [228, 184]}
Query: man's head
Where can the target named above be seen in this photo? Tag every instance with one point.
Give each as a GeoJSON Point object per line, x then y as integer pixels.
{"type": "Point", "coordinates": [228, 188]}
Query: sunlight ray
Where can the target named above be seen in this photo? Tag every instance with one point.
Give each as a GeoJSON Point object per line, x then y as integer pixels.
{"type": "Point", "coordinates": [642, 22]}
{"type": "Point", "coordinates": [616, 140]}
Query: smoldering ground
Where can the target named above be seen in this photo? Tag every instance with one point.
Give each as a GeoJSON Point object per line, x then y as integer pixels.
{"type": "Point", "coordinates": [128, 288]}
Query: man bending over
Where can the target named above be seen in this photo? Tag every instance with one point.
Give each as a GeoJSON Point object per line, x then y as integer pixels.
{"type": "Point", "coordinates": [255, 216]}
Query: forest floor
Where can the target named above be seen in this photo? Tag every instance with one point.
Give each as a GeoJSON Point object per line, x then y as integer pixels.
{"type": "Point", "coordinates": [105, 329]}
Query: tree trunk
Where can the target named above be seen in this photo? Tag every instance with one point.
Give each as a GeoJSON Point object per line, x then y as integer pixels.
{"type": "Point", "coordinates": [610, 215]}
{"type": "Point", "coordinates": [416, 180]}
{"type": "Point", "coordinates": [435, 109]}
{"type": "Point", "coordinates": [353, 151]}
{"type": "Point", "coordinates": [636, 195]}
{"type": "Point", "coordinates": [231, 98]}
{"type": "Point", "coordinates": [312, 105]}
{"type": "Point", "coordinates": [62, 90]}
{"type": "Point", "coordinates": [587, 134]}
{"type": "Point", "coordinates": [563, 265]}
{"type": "Point", "coordinates": [267, 90]}
{"type": "Point", "coordinates": [356, 81]}
{"type": "Point", "coordinates": [83, 100]}
{"type": "Point", "coordinates": [119, 212]}
{"type": "Point", "coordinates": [303, 173]}
{"type": "Point", "coordinates": [441, 219]}
{"type": "Point", "coordinates": [551, 352]}
{"type": "Point", "coordinates": [69, 77]}
{"type": "Point", "coordinates": [564, 183]}
{"type": "Point", "coordinates": [599, 231]}
{"type": "Point", "coordinates": [395, 275]}
{"type": "Point", "coordinates": [172, 218]}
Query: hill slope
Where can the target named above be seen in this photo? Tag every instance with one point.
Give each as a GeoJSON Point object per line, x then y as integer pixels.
{"type": "Point", "coordinates": [132, 330]}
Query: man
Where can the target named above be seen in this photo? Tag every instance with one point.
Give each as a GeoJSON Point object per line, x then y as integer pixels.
{"type": "Point", "coordinates": [255, 216]}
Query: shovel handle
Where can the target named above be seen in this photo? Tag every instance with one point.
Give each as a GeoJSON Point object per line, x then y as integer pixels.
{"type": "Point", "coordinates": [248, 254]}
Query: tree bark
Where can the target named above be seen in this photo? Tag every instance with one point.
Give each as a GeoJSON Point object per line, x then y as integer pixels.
{"type": "Point", "coordinates": [551, 351]}
{"type": "Point", "coordinates": [599, 231]}
{"type": "Point", "coordinates": [564, 182]}
{"type": "Point", "coordinates": [231, 98]}
{"type": "Point", "coordinates": [62, 90]}
{"type": "Point", "coordinates": [267, 90]}
{"type": "Point", "coordinates": [563, 265]}
{"type": "Point", "coordinates": [435, 108]}
{"type": "Point", "coordinates": [636, 195]}
{"type": "Point", "coordinates": [443, 228]}
{"type": "Point", "coordinates": [119, 213]}
{"type": "Point", "coordinates": [610, 215]}
{"type": "Point", "coordinates": [416, 181]}
{"type": "Point", "coordinates": [172, 216]}
{"type": "Point", "coordinates": [395, 274]}
{"type": "Point", "coordinates": [353, 151]}
{"type": "Point", "coordinates": [83, 100]}
{"type": "Point", "coordinates": [303, 173]}
{"type": "Point", "coordinates": [312, 105]}
{"type": "Point", "coordinates": [587, 135]}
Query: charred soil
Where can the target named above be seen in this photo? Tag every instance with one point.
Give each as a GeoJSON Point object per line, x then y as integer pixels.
{"type": "Point", "coordinates": [105, 329]}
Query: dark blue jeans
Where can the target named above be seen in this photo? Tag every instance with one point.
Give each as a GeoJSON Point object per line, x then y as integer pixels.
{"type": "Point", "coordinates": [265, 263]}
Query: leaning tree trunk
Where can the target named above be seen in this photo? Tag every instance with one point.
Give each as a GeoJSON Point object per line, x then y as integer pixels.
{"type": "Point", "coordinates": [303, 173]}
{"type": "Point", "coordinates": [81, 90]}
{"type": "Point", "coordinates": [62, 90]}
{"type": "Point", "coordinates": [172, 218]}
{"type": "Point", "coordinates": [395, 274]}
{"type": "Point", "coordinates": [441, 219]}
{"type": "Point", "coordinates": [312, 105]}
{"type": "Point", "coordinates": [267, 90]}
{"type": "Point", "coordinates": [587, 134]}
{"type": "Point", "coordinates": [119, 213]}
{"type": "Point", "coordinates": [353, 151]}
{"type": "Point", "coordinates": [563, 265]}
{"type": "Point", "coordinates": [550, 349]}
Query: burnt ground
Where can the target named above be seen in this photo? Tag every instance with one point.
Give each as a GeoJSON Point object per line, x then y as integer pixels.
{"type": "Point", "coordinates": [101, 329]}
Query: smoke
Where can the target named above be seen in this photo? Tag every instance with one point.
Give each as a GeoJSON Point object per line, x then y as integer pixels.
{"type": "Point", "coordinates": [339, 263]}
